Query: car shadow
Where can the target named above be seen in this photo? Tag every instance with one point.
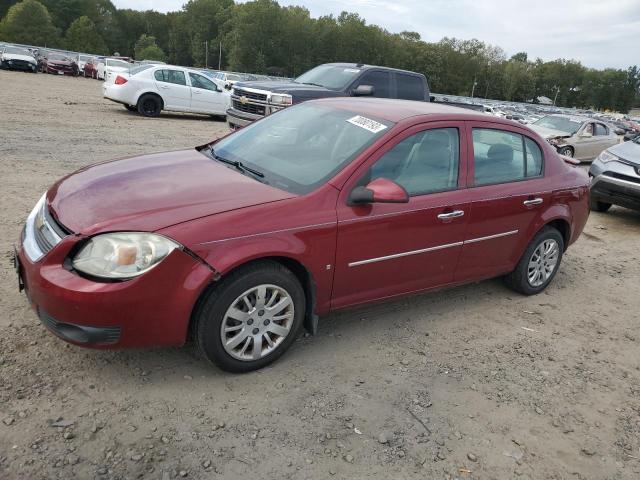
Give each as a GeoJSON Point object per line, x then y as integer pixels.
{"type": "Point", "coordinates": [172, 116]}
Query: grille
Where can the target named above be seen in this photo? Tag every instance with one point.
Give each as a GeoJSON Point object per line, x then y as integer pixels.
{"type": "Point", "coordinates": [248, 107]}
{"type": "Point", "coordinates": [624, 177]}
{"type": "Point", "coordinates": [46, 231]}
{"type": "Point", "coordinates": [20, 63]}
{"type": "Point", "coordinates": [253, 95]}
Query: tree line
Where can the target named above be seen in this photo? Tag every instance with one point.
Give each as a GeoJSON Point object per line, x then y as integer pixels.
{"type": "Point", "coordinates": [261, 36]}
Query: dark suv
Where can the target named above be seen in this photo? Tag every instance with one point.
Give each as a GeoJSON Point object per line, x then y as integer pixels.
{"type": "Point", "coordinates": [253, 100]}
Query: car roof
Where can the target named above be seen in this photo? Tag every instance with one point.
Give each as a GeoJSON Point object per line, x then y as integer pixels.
{"type": "Point", "coordinates": [362, 66]}
{"type": "Point", "coordinates": [395, 110]}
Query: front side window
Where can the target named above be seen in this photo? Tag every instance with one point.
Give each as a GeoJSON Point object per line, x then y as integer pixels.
{"type": "Point", "coordinates": [601, 129]}
{"type": "Point", "coordinates": [199, 81]}
{"type": "Point", "coordinates": [171, 76]}
{"type": "Point", "coordinates": [425, 162]}
{"type": "Point", "coordinates": [410, 87]}
{"type": "Point", "coordinates": [500, 157]}
{"type": "Point", "coordinates": [379, 81]}
{"type": "Point", "coordinates": [301, 147]}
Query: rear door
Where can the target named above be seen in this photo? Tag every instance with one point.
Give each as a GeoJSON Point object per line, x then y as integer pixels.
{"type": "Point", "coordinates": [507, 191]}
{"type": "Point", "coordinates": [173, 88]}
{"type": "Point", "coordinates": [205, 96]}
{"type": "Point", "coordinates": [391, 249]}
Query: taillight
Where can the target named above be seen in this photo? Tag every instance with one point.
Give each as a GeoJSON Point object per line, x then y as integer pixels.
{"type": "Point", "coordinates": [120, 80]}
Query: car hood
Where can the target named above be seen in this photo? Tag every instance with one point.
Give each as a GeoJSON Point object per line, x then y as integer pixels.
{"type": "Point", "coordinates": [151, 192]}
{"type": "Point", "coordinates": [545, 132]}
{"type": "Point", "coordinates": [299, 90]}
{"type": "Point", "coordinates": [629, 151]}
{"type": "Point", "coordinates": [59, 62]}
{"type": "Point", "coordinates": [15, 56]}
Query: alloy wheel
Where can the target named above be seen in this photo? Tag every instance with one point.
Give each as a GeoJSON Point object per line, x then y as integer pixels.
{"type": "Point", "coordinates": [543, 262]}
{"type": "Point", "coordinates": [257, 322]}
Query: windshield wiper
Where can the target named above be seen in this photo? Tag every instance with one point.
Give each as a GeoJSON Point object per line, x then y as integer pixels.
{"type": "Point", "coordinates": [311, 83]}
{"type": "Point", "coordinates": [239, 165]}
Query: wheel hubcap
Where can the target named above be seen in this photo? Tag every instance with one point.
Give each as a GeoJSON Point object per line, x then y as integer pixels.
{"type": "Point", "coordinates": [543, 262]}
{"type": "Point", "coordinates": [257, 322]}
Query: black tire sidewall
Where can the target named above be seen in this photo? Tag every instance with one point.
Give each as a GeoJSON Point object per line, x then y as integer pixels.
{"type": "Point", "coordinates": [564, 150]}
{"type": "Point", "coordinates": [218, 299]}
{"type": "Point", "coordinates": [143, 99]}
{"type": "Point", "coordinates": [518, 279]}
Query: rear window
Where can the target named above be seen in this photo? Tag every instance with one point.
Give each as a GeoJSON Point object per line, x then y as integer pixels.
{"type": "Point", "coordinates": [139, 68]}
{"type": "Point", "coordinates": [410, 87]}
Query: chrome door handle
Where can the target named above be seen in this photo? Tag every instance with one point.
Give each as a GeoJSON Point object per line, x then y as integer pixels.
{"type": "Point", "coordinates": [448, 215]}
{"type": "Point", "coordinates": [534, 201]}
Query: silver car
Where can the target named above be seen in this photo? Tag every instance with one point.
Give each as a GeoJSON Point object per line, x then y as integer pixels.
{"type": "Point", "coordinates": [579, 137]}
{"type": "Point", "coordinates": [615, 177]}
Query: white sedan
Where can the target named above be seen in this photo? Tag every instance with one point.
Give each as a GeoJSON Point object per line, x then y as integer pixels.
{"type": "Point", "coordinates": [107, 68]}
{"type": "Point", "coordinates": [150, 89]}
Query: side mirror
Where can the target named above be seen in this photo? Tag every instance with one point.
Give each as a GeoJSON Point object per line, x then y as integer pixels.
{"type": "Point", "coordinates": [363, 91]}
{"type": "Point", "coordinates": [227, 86]}
{"type": "Point", "coordinates": [380, 190]}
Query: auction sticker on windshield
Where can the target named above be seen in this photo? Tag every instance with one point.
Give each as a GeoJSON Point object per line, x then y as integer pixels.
{"type": "Point", "coordinates": [367, 123]}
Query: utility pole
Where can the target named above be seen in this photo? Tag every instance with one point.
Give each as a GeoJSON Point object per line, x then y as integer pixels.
{"type": "Point", "coordinates": [473, 89]}
{"type": "Point", "coordinates": [206, 54]}
{"type": "Point", "coordinates": [556, 97]}
{"type": "Point", "coordinates": [220, 57]}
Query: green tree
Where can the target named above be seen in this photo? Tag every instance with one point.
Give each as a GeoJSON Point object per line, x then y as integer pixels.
{"type": "Point", "coordinates": [29, 22]}
{"type": "Point", "coordinates": [146, 49]}
{"type": "Point", "coordinates": [83, 36]}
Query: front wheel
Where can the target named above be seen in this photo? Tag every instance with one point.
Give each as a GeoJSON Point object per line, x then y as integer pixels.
{"type": "Point", "coordinates": [251, 318]}
{"type": "Point", "coordinates": [566, 151]}
{"type": "Point", "coordinates": [539, 264]}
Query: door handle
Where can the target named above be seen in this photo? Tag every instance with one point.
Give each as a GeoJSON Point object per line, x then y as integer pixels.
{"type": "Point", "coordinates": [533, 201]}
{"type": "Point", "coordinates": [449, 215]}
{"type": "Point", "coordinates": [195, 92]}
{"type": "Point", "coordinates": [164, 87]}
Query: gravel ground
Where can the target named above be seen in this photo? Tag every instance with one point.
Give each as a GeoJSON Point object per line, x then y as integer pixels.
{"type": "Point", "coordinates": [474, 382]}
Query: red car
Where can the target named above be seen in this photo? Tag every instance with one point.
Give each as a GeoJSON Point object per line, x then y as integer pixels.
{"type": "Point", "coordinates": [325, 205]}
{"type": "Point", "coordinates": [90, 68]}
{"type": "Point", "coordinates": [59, 64]}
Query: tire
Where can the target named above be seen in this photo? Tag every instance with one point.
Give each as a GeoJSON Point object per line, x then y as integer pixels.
{"type": "Point", "coordinates": [520, 279]}
{"type": "Point", "coordinates": [131, 108]}
{"type": "Point", "coordinates": [566, 151]}
{"type": "Point", "coordinates": [149, 105]}
{"type": "Point", "coordinates": [215, 311]}
{"type": "Point", "coordinates": [598, 206]}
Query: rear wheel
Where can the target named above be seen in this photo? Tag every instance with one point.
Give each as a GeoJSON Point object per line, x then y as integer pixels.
{"type": "Point", "coordinates": [251, 317]}
{"type": "Point", "coordinates": [539, 264]}
{"type": "Point", "coordinates": [598, 206]}
{"type": "Point", "coordinates": [149, 105]}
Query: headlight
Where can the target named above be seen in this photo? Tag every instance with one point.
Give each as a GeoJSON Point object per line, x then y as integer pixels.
{"type": "Point", "coordinates": [553, 140]}
{"type": "Point", "coordinates": [605, 157]}
{"type": "Point", "coordinates": [281, 99]}
{"type": "Point", "coordinates": [122, 255]}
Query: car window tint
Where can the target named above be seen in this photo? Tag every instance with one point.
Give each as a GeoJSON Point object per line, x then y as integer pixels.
{"type": "Point", "coordinates": [171, 76]}
{"type": "Point", "coordinates": [198, 81]}
{"type": "Point", "coordinates": [379, 81]}
{"type": "Point", "coordinates": [423, 163]}
{"type": "Point", "coordinates": [160, 75]}
{"type": "Point", "coordinates": [410, 87]}
{"type": "Point", "coordinates": [500, 156]}
{"type": "Point", "coordinates": [600, 129]}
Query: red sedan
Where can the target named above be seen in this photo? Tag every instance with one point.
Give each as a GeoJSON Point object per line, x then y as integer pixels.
{"type": "Point", "coordinates": [325, 205]}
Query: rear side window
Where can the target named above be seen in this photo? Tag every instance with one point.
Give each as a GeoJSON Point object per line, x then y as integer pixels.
{"type": "Point", "coordinates": [379, 81]}
{"type": "Point", "coordinates": [410, 87]}
{"type": "Point", "coordinates": [171, 76]}
{"type": "Point", "coordinates": [500, 157]}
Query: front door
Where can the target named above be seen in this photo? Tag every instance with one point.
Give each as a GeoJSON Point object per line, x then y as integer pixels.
{"type": "Point", "coordinates": [205, 97]}
{"type": "Point", "coordinates": [506, 189]}
{"type": "Point", "coordinates": [385, 250]}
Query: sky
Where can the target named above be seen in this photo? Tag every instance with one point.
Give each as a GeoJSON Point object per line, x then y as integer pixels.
{"type": "Point", "coordinates": [598, 33]}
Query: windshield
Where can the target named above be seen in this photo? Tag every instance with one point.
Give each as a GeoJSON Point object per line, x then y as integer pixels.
{"type": "Point", "coordinates": [333, 77]}
{"type": "Point", "coordinates": [562, 124]}
{"type": "Point", "coordinates": [17, 51]}
{"type": "Point", "coordinates": [57, 56]}
{"type": "Point", "coordinates": [117, 63]}
{"type": "Point", "coordinates": [300, 148]}
{"type": "Point", "coordinates": [84, 58]}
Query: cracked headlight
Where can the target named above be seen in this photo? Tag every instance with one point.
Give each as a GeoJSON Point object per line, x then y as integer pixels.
{"type": "Point", "coordinates": [122, 255]}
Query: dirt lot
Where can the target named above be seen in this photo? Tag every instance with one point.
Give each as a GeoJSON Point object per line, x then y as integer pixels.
{"type": "Point", "coordinates": [475, 382]}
